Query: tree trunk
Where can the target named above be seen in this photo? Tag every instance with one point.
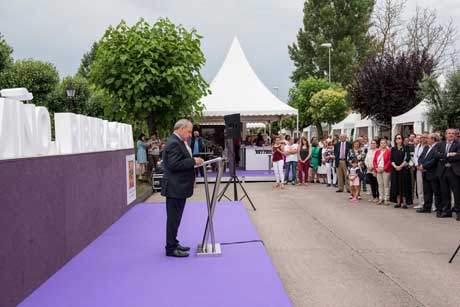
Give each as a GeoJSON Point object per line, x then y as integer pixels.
{"type": "Point", "coordinates": [151, 124]}
{"type": "Point", "coordinates": [319, 129]}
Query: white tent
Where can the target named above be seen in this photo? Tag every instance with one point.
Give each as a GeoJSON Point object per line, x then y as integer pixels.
{"type": "Point", "coordinates": [416, 117]}
{"type": "Point", "coordinates": [237, 89]}
{"type": "Point", "coordinates": [367, 127]}
{"type": "Point", "coordinates": [347, 125]}
{"type": "Point", "coordinates": [311, 130]}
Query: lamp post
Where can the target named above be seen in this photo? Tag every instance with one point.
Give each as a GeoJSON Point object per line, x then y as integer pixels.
{"type": "Point", "coordinates": [328, 46]}
{"type": "Point", "coordinates": [71, 94]}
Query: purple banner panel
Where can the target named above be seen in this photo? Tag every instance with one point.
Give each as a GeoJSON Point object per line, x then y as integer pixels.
{"type": "Point", "coordinates": [50, 209]}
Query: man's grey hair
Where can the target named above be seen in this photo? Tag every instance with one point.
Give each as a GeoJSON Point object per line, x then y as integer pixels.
{"type": "Point", "coordinates": [182, 123]}
{"type": "Point", "coordinates": [436, 137]}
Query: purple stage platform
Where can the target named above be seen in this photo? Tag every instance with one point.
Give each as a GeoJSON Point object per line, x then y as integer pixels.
{"type": "Point", "coordinates": [126, 265]}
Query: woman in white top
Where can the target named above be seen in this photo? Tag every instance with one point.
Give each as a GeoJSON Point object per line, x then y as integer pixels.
{"type": "Point", "coordinates": [371, 178]}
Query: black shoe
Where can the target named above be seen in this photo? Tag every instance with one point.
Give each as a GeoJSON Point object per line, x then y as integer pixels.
{"type": "Point", "coordinates": [183, 248]}
{"type": "Point", "coordinates": [339, 191]}
{"type": "Point", "coordinates": [458, 217]}
{"type": "Point", "coordinates": [328, 185]}
{"type": "Point", "coordinates": [446, 214]}
{"type": "Point", "coordinates": [405, 207]}
{"type": "Point", "coordinates": [423, 210]}
{"type": "Point", "coordinates": [438, 214]}
{"type": "Point", "coordinates": [397, 206]}
{"type": "Point", "coordinates": [177, 253]}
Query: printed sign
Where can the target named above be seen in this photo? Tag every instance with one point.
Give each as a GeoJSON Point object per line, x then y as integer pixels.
{"type": "Point", "coordinates": [130, 179]}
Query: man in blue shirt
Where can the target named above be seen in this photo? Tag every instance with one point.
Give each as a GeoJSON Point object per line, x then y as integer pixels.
{"type": "Point", "coordinates": [197, 148]}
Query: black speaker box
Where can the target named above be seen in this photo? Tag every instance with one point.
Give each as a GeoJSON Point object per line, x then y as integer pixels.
{"type": "Point", "coordinates": [232, 126]}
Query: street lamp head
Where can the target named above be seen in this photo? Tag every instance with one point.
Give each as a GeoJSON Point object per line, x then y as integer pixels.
{"type": "Point", "coordinates": [70, 91]}
{"type": "Point", "coordinates": [326, 45]}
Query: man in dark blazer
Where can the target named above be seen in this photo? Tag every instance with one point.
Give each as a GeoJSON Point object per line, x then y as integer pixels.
{"type": "Point", "coordinates": [427, 165]}
{"type": "Point", "coordinates": [177, 183]}
{"type": "Point", "coordinates": [448, 171]}
{"type": "Point", "coordinates": [342, 152]}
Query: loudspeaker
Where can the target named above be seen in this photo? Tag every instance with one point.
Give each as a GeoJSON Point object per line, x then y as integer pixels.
{"type": "Point", "coordinates": [232, 126]}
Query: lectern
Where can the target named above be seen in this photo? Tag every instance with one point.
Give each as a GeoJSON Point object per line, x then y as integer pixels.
{"type": "Point", "coordinates": [205, 248]}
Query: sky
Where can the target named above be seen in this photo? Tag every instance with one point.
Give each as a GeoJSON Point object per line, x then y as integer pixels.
{"type": "Point", "coordinates": [61, 31]}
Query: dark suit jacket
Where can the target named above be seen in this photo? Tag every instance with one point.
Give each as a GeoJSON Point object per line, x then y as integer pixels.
{"type": "Point", "coordinates": [337, 152]}
{"type": "Point", "coordinates": [179, 174]}
{"type": "Point", "coordinates": [429, 162]}
{"type": "Point", "coordinates": [442, 158]}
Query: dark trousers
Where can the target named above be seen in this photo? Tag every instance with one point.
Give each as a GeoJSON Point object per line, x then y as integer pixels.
{"type": "Point", "coordinates": [174, 210]}
{"type": "Point", "coordinates": [450, 183]}
{"type": "Point", "coordinates": [430, 188]}
{"type": "Point", "coordinates": [290, 165]}
{"type": "Point", "coordinates": [372, 180]}
{"type": "Point", "coordinates": [303, 171]}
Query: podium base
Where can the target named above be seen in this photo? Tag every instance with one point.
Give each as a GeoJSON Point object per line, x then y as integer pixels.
{"type": "Point", "coordinates": [207, 251]}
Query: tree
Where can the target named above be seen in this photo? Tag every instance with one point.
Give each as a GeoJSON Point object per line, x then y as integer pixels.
{"type": "Point", "coordinates": [444, 103]}
{"type": "Point", "coordinates": [345, 24]}
{"type": "Point", "coordinates": [150, 72]}
{"type": "Point", "coordinates": [40, 78]}
{"type": "Point", "coordinates": [5, 54]}
{"type": "Point", "coordinates": [327, 106]}
{"type": "Point", "coordinates": [424, 32]}
{"type": "Point", "coordinates": [301, 94]}
{"type": "Point", "coordinates": [388, 85]}
{"type": "Point", "coordinates": [387, 25]}
{"type": "Point", "coordinates": [86, 61]}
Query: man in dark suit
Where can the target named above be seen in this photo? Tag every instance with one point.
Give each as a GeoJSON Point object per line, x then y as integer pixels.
{"type": "Point", "coordinates": [342, 152]}
{"type": "Point", "coordinates": [177, 183]}
{"type": "Point", "coordinates": [448, 171]}
{"type": "Point", "coordinates": [427, 164]}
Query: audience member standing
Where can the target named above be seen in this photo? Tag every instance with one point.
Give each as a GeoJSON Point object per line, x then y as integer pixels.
{"type": "Point", "coordinates": [142, 145]}
{"type": "Point", "coordinates": [371, 176]}
{"type": "Point", "coordinates": [291, 159]}
{"type": "Point", "coordinates": [448, 156]}
{"type": "Point", "coordinates": [315, 160]}
{"type": "Point", "coordinates": [278, 162]}
{"type": "Point", "coordinates": [304, 154]}
{"type": "Point", "coordinates": [341, 152]}
{"type": "Point", "coordinates": [427, 166]}
{"type": "Point", "coordinates": [401, 189]}
{"type": "Point", "coordinates": [420, 141]}
{"type": "Point", "coordinates": [329, 158]}
{"type": "Point", "coordinates": [382, 170]}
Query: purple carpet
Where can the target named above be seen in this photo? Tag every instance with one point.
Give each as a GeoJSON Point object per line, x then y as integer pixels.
{"type": "Point", "coordinates": [126, 265]}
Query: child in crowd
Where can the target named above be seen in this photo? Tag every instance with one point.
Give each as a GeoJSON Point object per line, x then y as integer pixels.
{"type": "Point", "coordinates": [354, 176]}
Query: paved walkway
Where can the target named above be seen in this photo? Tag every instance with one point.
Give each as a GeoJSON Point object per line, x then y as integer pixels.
{"type": "Point", "coordinates": [329, 252]}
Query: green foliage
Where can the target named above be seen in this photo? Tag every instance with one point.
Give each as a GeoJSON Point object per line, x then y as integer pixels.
{"type": "Point", "coordinates": [5, 54]}
{"type": "Point", "coordinates": [300, 96]}
{"type": "Point", "coordinates": [328, 106]}
{"type": "Point", "coordinates": [387, 85]}
{"type": "Point", "coordinates": [86, 61]}
{"type": "Point", "coordinates": [444, 103]}
{"type": "Point", "coordinates": [40, 78]}
{"type": "Point", "coordinates": [150, 72]}
{"type": "Point", "coordinates": [345, 24]}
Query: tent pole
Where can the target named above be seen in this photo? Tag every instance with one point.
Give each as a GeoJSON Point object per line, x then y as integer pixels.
{"type": "Point", "coordinates": [298, 132]}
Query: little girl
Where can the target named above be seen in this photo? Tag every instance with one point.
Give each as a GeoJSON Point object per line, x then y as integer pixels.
{"type": "Point", "coordinates": [354, 175]}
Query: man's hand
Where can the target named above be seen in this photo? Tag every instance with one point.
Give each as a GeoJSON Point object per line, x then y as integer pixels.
{"type": "Point", "coordinates": [198, 161]}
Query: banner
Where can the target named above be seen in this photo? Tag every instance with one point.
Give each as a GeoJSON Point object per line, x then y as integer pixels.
{"type": "Point", "coordinates": [130, 178]}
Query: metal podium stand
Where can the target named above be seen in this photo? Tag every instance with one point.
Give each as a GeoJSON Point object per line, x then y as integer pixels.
{"type": "Point", "coordinates": [213, 248]}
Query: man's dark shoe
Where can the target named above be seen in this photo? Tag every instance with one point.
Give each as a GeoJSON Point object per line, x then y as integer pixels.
{"type": "Point", "coordinates": [438, 214]}
{"type": "Point", "coordinates": [183, 248]}
{"type": "Point", "coordinates": [177, 253]}
{"type": "Point", "coordinates": [339, 191]}
{"type": "Point", "coordinates": [446, 214]}
{"type": "Point", "coordinates": [423, 210]}
{"type": "Point", "coordinates": [458, 217]}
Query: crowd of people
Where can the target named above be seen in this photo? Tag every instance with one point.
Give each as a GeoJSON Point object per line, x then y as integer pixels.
{"type": "Point", "coordinates": [421, 170]}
